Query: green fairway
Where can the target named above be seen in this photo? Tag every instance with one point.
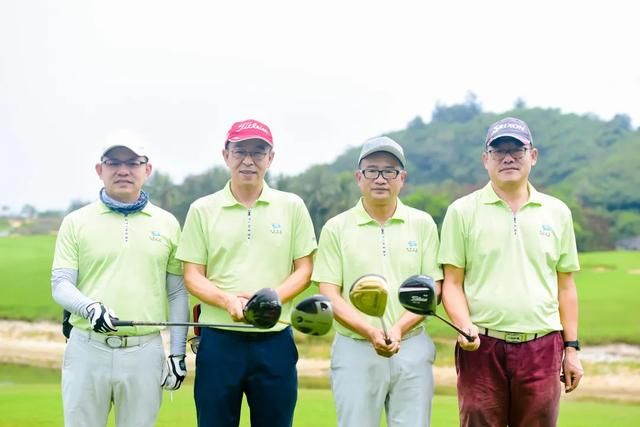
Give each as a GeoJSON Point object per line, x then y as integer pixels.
{"type": "Point", "coordinates": [608, 289]}
{"type": "Point", "coordinates": [25, 262]}
{"type": "Point", "coordinates": [31, 397]}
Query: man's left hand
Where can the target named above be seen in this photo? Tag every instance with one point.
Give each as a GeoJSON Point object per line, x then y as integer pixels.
{"type": "Point", "coordinates": [572, 369]}
{"type": "Point", "coordinates": [174, 372]}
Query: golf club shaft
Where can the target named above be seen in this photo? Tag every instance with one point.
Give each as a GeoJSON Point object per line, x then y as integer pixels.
{"type": "Point", "coordinates": [384, 329]}
{"type": "Point", "coordinates": [202, 325]}
{"type": "Point", "coordinates": [464, 334]}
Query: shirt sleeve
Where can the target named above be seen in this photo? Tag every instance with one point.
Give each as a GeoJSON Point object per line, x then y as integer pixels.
{"type": "Point", "coordinates": [452, 248]}
{"type": "Point", "coordinates": [174, 266]}
{"type": "Point", "coordinates": [568, 261]}
{"type": "Point", "coordinates": [328, 263]}
{"type": "Point", "coordinates": [304, 236]}
{"type": "Point", "coordinates": [66, 251]}
{"type": "Point", "coordinates": [430, 244]}
{"type": "Point", "coordinates": [193, 241]}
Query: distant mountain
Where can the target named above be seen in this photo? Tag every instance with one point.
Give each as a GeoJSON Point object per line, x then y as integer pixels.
{"type": "Point", "coordinates": [593, 165]}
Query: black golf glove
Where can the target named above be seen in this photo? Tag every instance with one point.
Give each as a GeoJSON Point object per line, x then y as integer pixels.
{"type": "Point", "coordinates": [174, 372]}
{"type": "Point", "coordinates": [100, 317]}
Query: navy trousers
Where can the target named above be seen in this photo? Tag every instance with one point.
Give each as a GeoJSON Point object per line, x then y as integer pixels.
{"type": "Point", "coordinates": [260, 365]}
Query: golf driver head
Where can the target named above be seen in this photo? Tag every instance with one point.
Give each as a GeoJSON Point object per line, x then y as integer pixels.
{"type": "Point", "coordinates": [263, 309]}
{"type": "Point", "coordinates": [313, 315]}
{"type": "Point", "coordinates": [417, 294]}
{"type": "Point", "coordinates": [369, 294]}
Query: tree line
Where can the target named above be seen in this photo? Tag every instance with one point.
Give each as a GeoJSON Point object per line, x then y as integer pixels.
{"type": "Point", "coordinates": [589, 163]}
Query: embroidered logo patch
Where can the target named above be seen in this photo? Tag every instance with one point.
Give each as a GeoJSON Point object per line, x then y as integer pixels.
{"type": "Point", "coordinates": [155, 236]}
{"type": "Point", "coordinates": [276, 228]}
{"type": "Point", "coordinates": [546, 230]}
{"type": "Point", "coordinates": [412, 246]}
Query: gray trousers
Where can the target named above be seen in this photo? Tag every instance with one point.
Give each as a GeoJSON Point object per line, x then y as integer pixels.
{"type": "Point", "coordinates": [364, 383]}
{"type": "Point", "coordinates": [95, 376]}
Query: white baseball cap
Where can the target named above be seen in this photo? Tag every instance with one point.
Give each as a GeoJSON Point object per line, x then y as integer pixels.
{"type": "Point", "coordinates": [127, 139]}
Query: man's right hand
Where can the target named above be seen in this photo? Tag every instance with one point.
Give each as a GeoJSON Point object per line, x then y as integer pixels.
{"type": "Point", "coordinates": [101, 317]}
{"type": "Point", "coordinates": [234, 305]}
{"type": "Point", "coordinates": [470, 345]}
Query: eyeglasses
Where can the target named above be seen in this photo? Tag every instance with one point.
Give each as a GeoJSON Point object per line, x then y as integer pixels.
{"type": "Point", "coordinates": [515, 153]}
{"type": "Point", "coordinates": [255, 155]}
{"type": "Point", "coordinates": [375, 173]}
{"type": "Point", "coordinates": [130, 164]}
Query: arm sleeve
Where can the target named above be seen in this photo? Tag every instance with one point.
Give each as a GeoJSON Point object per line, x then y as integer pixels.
{"type": "Point", "coordinates": [193, 245]}
{"type": "Point", "coordinates": [568, 261]}
{"type": "Point", "coordinates": [65, 292]}
{"type": "Point", "coordinates": [178, 300]}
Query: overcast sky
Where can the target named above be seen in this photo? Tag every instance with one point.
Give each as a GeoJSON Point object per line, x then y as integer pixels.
{"type": "Point", "coordinates": [323, 75]}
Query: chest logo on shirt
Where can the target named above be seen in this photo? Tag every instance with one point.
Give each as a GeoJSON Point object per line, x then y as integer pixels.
{"type": "Point", "coordinates": [546, 230]}
{"type": "Point", "coordinates": [155, 236]}
{"type": "Point", "coordinates": [412, 246]}
{"type": "Point", "coordinates": [276, 228]}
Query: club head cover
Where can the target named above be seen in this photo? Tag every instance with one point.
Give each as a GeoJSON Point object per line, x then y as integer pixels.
{"type": "Point", "coordinates": [417, 294]}
{"type": "Point", "coordinates": [369, 294]}
{"type": "Point", "coordinates": [263, 309]}
{"type": "Point", "coordinates": [313, 315]}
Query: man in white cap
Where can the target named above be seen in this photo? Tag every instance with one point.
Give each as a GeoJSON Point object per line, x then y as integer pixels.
{"type": "Point", "coordinates": [380, 235]}
{"type": "Point", "coordinates": [117, 255]}
{"type": "Point", "coordinates": [508, 254]}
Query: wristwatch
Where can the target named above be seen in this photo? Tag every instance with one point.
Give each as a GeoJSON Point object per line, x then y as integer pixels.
{"type": "Point", "coordinates": [575, 344]}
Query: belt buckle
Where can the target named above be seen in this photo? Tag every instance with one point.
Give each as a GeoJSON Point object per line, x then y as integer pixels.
{"type": "Point", "coordinates": [514, 337]}
{"type": "Point", "coordinates": [115, 341]}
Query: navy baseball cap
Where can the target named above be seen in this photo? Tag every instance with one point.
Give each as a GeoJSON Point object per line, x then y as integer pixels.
{"type": "Point", "coordinates": [509, 127]}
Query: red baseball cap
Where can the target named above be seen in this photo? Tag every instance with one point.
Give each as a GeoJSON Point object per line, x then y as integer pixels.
{"type": "Point", "coordinates": [249, 129]}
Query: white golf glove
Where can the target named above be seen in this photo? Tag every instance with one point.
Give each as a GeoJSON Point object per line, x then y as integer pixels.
{"type": "Point", "coordinates": [100, 317]}
{"type": "Point", "coordinates": [174, 372]}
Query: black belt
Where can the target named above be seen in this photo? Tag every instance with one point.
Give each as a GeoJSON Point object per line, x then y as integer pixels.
{"type": "Point", "coordinates": [244, 334]}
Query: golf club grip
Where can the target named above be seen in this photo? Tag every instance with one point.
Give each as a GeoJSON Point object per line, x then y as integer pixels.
{"type": "Point", "coordinates": [464, 334]}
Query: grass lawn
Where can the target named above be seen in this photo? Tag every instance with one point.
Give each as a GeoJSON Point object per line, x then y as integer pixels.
{"type": "Point", "coordinates": [31, 397]}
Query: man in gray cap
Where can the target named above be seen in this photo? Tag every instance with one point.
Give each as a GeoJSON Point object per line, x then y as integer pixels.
{"type": "Point", "coordinates": [371, 370]}
{"type": "Point", "coordinates": [508, 254]}
{"type": "Point", "coordinates": [116, 256]}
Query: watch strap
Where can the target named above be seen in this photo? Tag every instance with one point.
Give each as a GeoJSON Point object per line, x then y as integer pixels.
{"type": "Point", "coordinates": [575, 344]}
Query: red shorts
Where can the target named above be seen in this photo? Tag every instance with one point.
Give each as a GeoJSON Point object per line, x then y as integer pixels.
{"type": "Point", "coordinates": [504, 384]}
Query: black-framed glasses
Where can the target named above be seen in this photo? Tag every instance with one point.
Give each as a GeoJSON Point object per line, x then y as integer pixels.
{"type": "Point", "coordinates": [242, 154]}
{"type": "Point", "coordinates": [371, 173]}
{"type": "Point", "coordinates": [130, 164]}
{"type": "Point", "coordinates": [515, 153]}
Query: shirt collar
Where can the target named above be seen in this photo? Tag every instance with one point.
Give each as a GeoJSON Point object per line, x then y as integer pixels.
{"type": "Point", "coordinates": [489, 196]}
{"type": "Point", "coordinates": [229, 199]}
{"type": "Point", "coordinates": [363, 217]}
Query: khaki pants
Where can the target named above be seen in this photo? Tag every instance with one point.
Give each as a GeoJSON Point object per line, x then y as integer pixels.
{"type": "Point", "coordinates": [95, 376]}
{"type": "Point", "coordinates": [364, 383]}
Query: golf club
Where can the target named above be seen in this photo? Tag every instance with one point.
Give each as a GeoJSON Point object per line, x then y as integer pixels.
{"type": "Point", "coordinates": [369, 295]}
{"type": "Point", "coordinates": [311, 316]}
{"type": "Point", "coordinates": [417, 294]}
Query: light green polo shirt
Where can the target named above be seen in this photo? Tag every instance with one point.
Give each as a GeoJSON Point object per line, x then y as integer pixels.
{"type": "Point", "coordinates": [122, 261]}
{"type": "Point", "coordinates": [353, 244]}
{"type": "Point", "coordinates": [511, 260]}
{"type": "Point", "coordinates": [244, 250]}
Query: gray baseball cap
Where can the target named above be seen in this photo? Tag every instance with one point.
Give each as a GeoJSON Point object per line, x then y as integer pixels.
{"type": "Point", "coordinates": [509, 127]}
{"type": "Point", "coordinates": [384, 144]}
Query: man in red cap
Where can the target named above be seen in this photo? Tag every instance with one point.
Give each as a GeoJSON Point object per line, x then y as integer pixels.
{"type": "Point", "coordinates": [236, 241]}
